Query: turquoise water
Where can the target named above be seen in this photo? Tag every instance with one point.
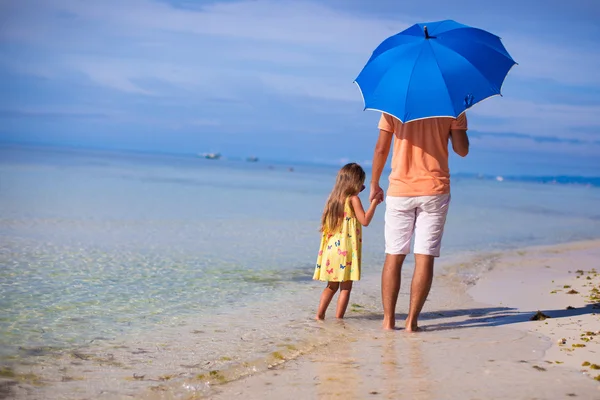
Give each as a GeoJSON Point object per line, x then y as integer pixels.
{"type": "Point", "coordinates": [95, 245]}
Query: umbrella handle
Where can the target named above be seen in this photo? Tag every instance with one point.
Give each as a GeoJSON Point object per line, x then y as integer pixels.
{"type": "Point", "coordinates": [469, 99]}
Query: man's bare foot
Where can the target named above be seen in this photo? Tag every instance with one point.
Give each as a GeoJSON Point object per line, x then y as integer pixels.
{"type": "Point", "coordinates": [412, 328]}
{"type": "Point", "coordinates": [388, 325]}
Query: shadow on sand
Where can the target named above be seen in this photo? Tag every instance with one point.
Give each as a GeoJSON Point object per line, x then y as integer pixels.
{"type": "Point", "coordinates": [482, 317]}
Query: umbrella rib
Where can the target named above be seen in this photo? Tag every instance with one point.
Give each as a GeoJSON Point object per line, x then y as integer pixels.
{"type": "Point", "coordinates": [492, 95]}
{"type": "Point", "coordinates": [444, 78]}
{"type": "Point", "coordinates": [483, 44]}
{"type": "Point", "coordinates": [410, 80]}
{"type": "Point", "coordinates": [475, 68]}
{"type": "Point", "coordinates": [504, 79]}
{"type": "Point", "coordinates": [493, 49]}
{"type": "Point", "coordinates": [387, 71]}
{"type": "Point", "coordinates": [478, 71]}
{"type": "Point", "coordinates": [440, 26]}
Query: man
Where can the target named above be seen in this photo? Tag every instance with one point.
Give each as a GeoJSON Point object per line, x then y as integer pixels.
{"type": "Point", "coordinates": [417, 202]}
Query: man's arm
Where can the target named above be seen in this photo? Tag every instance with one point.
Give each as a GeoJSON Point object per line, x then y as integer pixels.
{"type": "Point", "coordinates": [382, 150]}
{"type": "Point", "coordinates": [460, 141]}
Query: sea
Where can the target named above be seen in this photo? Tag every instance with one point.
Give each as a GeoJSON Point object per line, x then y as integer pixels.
{"type": "Point", "coordinates": [102, 247]}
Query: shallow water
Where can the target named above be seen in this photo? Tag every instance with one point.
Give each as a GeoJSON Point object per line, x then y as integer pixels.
{"type": "Point", "coordinates": [109, 248]}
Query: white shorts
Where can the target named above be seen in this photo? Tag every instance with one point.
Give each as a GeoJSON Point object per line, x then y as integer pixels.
{"type": "Point", "coordinates": [423, 215]}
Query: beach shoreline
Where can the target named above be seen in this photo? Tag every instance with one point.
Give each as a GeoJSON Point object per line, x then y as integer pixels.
{"type": "Point", "coordinates": [526, 361]}
{"type": "Point", "coordinates": [468, 310]}
{"type": "Point", "coordinates": [563, 284]}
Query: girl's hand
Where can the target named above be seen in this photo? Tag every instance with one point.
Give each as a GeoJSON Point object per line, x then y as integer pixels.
{"type": "Point", "coordinates": [378, 199]}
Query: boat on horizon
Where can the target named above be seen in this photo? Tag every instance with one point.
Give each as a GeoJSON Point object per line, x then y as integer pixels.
{"type": "Point", "coordinates": [211, 156]}
{"type": "Point", "coordinates": [252, 159]}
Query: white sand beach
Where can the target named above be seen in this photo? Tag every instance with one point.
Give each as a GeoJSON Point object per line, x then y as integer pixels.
{"type": "Point", "coordinates": [562, 282]}
{"type": "Point", "coordinates": [471, 348]}
{"type": "Point", "coordinates": [477, 342]}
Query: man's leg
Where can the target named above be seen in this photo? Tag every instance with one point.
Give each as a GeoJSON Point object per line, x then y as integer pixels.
{"type": "Point", "coordinates": [419, 289]}
{"type": "Point", "coordinates": [429, 229]}
{"type": "Point", "coordinates": [400, 217]}
{"type": "Point", "coordinates": [390, 287]}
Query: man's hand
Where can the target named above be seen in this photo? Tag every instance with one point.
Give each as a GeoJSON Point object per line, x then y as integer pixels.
{"type": "Point", "coordinates": [376, 193]}
{"type": "Point", "coordinates": [460, 142]}
{"type": "Point", "coordinates": [380, 155]}
{"type": "Point", "coordinates": [378, 199]}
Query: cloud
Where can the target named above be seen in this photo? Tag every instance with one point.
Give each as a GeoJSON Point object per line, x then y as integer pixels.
{"type": "Point", "coordinates": [558, 63]}
{"type": "Point", "coordinates": [537, 139]}
{"type": "Point", "coordinates": [205, 122]}
{"type": "Point", "coordinates": [535, 119]}
{"type": "Point", "coordinates": [262, 20]}
{"type": "Point", "coordinates": [516, 143]}
{"type": "Point", "coordinates": [277, 64]}
{"type": "Point", "coordinates": [310, 87]}
{"type": "Point", "coordinates": [220, 35]}
{"type": "Point", "coordinates": [46, 114]}
{"type": "Point", "coordinates": [214, 38]}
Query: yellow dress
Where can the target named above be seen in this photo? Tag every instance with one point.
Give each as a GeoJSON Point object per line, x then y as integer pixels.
{"type": "Point", "coordinates": [340, 253]}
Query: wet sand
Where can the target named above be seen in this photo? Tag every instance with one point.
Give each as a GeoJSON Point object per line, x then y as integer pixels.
{"type": "Point", "coordinates": [477, 342]}
{"type": "Point", "coordinates": [480, 344]}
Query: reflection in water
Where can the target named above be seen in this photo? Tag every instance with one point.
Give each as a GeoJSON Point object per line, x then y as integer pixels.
{"type": "Point", "coordinates": [337, 373]}
{"type": "Point", "coordinates": [419, 370]}
{"type": "Point", "coordinates": [405, 372]}
{"type": "Point", "coordinates": [393, 367]}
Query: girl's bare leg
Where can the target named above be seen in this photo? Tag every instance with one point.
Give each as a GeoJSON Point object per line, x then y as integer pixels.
{"type": "Point", "coordinates": [326, 297]}
{"type": "Point", "coordinates": [343, 299]}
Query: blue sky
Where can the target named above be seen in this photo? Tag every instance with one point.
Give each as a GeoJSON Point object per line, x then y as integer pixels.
{"type": "Point", "coordinates": [274, 78]}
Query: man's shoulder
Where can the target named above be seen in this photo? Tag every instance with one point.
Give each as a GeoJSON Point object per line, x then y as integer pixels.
{"type": "Point", "coordinates": [387, 122]}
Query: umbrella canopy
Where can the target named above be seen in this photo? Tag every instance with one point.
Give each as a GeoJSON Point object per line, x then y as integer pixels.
{"type": "Point", "coordinates": [436, 69]}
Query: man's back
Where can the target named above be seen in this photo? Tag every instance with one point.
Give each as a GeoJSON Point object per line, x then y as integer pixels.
{"type": "Point", "coordinates": [420, 155]}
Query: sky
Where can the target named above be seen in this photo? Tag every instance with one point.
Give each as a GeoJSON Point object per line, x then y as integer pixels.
{"type": "Point", "coordinates": [274, 78]}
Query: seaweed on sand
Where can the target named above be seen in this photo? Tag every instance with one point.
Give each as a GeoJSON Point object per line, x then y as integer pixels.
{"type": "Point", "coordinates": [7, 372]}
{"type": "Point", "coordinates": [213, 375]}
{"type": "Point", "coordinates": [539, 316]}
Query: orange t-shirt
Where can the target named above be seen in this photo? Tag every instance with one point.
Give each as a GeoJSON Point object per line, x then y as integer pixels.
{"type": "Point", "coordinates": [420, 154]}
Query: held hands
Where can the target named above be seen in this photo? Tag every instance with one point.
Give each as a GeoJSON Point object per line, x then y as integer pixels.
{"type": "Point", "coordinates": [378, 199]}
{"type": "Point", "coordinates": [376, 194]}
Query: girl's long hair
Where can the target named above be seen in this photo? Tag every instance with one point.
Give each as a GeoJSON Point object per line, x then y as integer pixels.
{"type": "Point", "coordinates": [349, 182]}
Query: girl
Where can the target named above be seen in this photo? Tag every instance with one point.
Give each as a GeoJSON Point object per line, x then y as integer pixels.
{"type": "Point", "coordinates": [338, 262]}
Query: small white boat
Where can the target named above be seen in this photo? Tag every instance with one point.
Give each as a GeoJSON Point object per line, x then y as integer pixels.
{"type": "Point", "coordinates": [211, 156]}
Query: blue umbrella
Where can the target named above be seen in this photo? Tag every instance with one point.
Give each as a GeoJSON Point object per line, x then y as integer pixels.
{"type": "Point", "coordinates": [436, 69]}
